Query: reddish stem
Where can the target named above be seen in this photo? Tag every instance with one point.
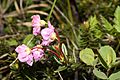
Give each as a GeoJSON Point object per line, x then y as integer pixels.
{"type": "Point", "coordinates": [61, 53]}
{"type": "Point", "coordinates": [55, 54]}
{"type": "Point", "coordinates": [58, 38]}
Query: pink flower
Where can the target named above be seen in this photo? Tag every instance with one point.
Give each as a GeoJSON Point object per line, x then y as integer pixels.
{"type": "Point", "coordinates": [37, 23]}
{"type": "Point", "coordinates": [36, 30]}
{"type": "Point", "coordinates": [35, 20]}
{"type": "Point", "coordinates": [48, 34]}
{"type": "Point", "coordinates": [45, 42]}
{"type": "Point", "coordinates": [24, 54]}
{"type": "Point", "coordinates": [38, 53]}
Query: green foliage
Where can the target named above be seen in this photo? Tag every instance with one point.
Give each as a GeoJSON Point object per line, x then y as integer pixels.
{"type": "Point", "coordinates": [12, 42]}
{"type": "Point", "coordinates": [60, 68]}
{"type": "Point", "coordinates": [87, 56]}
{"type": "Point", "coordinates": [94, 28]}
{"type": "Point", "coordinates": [117, 19]}
{"type": "Point", "coordinates": [93, 22]}
{"type": "Point", "coordinates": [99, 74]}
{"type": "Point", "coordinates": [106, 24]}
{"type": "Point", "coordinates": [102, 75]}
{"type": "Point", "coordinates": [29, 40]}
{"type": "Point", "coordinates": [64, 50]}
{"type": "Point", "coordinates": [115, 76]}
{"type": "Point", "coordinates": [108, 55]}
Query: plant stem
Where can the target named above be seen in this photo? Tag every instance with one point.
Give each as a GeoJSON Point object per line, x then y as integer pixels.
{"type": "Point", "coordinates": [62, 14]}
{"type": "Point", "coordinates": [55, 54]}
{"type": "Point", "coordinates": [69, 11]}
{"type": "Point", "coordinates": [60, 76]}
{"type": "Point", "coordinates": [116, 49]}
{"type": "Point", "coordinates": [13, 62]}
{"type": "Point", "coordinates": [51, 10]}
{"type": "Point", "coordinates": [30, 40]}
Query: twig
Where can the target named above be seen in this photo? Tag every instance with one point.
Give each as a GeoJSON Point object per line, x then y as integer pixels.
{"type": "Point", "coordinates": [55, 54]}
{"type": "Point", "coordinates": [51, 10]}
{"type": "Point", "coordinates": [21, 8]}
{"type": "Point", "coordinates": [60, 76]}
{"type": "Point", "coordinates": [74, 55]}
{"type": "Point", "coordinates": [13, 62]}
{"type": "Point", "coordinates": [8, 5]}
{"type": "Point", "coordinates": [4, 55]}
{"type": "Point", "coordinates": [76, 73]}
{"type": "Point", "coordinates": [9, 36]}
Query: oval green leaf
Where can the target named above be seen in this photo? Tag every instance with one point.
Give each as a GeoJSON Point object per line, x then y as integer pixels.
{"type": "Point", "coordinates": [115, 76]}
{"type": "Point", "coordinates": [87, 56]}
{"type": "Point", "coordinates": [99, 74]}
{"type": "Point", "coordinates": [108, 55]}
{"type": "Point", "coordinates": [60, 68]}
{"type": "Point", "coordinates": [64, 49]}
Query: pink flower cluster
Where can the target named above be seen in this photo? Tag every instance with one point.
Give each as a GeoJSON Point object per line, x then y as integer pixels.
{"type": "Point", "coordinates": [36, 24]}
{"type": "Point", "coordinates": [47, 34]}
{"type": "Point", "coordinates": [25, 54]}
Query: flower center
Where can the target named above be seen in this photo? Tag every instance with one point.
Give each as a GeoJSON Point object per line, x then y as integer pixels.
{"type": "Point", "coordinates": [42, 22]}
{"type": "Point", "coordinates": [53, 36]}
{"type": "Point", "coordinates": [28, 50]}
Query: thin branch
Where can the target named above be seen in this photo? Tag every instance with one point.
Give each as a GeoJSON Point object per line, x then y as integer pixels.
{"type": "Point", "coordinates": [13, 62]}
{"type": "Point", "coordinates": [60, 76]}
{"type": "Point", "coordinates": [51, 10]}
{"type": "Point", "coordinates": [9, 36]}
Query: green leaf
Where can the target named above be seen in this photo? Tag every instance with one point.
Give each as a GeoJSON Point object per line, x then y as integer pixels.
{"type": "Point", "coordinates": [93, 22]}
{"type": "Point", "coordinates": [12, 42]}
{"type": "Point", "coordinates": [117, 19]}
{"type": "Point", "coordinates": [75, 65]}
{"type": "Point", "coordinates": [28, 77]}
{"type": "Point", "coordinates": [106, 24]}
{"type": "Point", "coordinates": [57, 60]}
{"type": "Point", "coordinates": [28, 2]}
{"type": "Point", "coordinates": [29, 40]}
{"type": "Point", "coordinates": [14, 67]}
{"type": "Point", "coordinates": [60, 68]}
{"type": "Point", "coordinates": [87, 56]}
{"type": "Point", "coordinates": [108, 55]}
{"type": "Point", "coordinates": [103, 61]}
{"type": "Point", "coordinates": [99, 74]}
{"type": "Point", "coordinates": [116, 63]}
{"type": "Point", "coordinates": [97, 33]}
{"type": "Point", "coordinates": [95, 61]}
{"type": "Point", "coordinates": [115, 76]}
{"type": "Point", "coordinates": [64, 49]}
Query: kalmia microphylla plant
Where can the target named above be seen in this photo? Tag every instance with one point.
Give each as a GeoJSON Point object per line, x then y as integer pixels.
{"type": "Point", "coordinates": [48, 34]}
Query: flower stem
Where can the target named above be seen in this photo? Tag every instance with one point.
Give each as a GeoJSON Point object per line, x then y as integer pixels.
{"type": "Point", "coordinates": [51, 10]}
{"type": "Point", "coordinates": [60, 76]}
{"type": "Point", "coordinates": [55, 54]}
{"type": "Point", "coordinates": [58, 37]}
{"type": "Point", "coordinates": [13, 62]}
